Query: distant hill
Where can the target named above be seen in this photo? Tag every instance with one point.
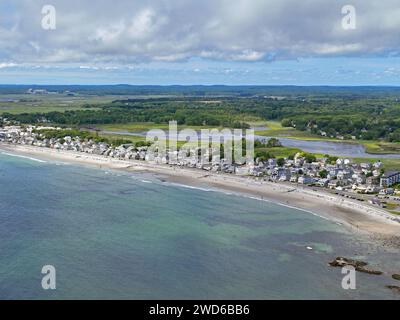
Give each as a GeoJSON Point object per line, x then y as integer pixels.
{"type": "Point", "coordinates": [217, 90]}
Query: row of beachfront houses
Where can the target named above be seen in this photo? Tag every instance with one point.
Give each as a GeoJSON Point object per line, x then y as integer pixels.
{"type": "Point", "coordinates": [341, 175]}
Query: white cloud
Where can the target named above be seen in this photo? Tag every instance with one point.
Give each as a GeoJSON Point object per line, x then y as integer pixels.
{"type": "Point", "coordinates": [4, 65]}
{"type": "Point", "coordinates": [248, 55]}
{"type": "Point", "coordinates": [328, 49]}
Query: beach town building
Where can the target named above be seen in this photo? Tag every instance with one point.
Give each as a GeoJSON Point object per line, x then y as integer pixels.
{"type": "Point", "coordinates": [390, 178]}
{"type": "Point", "coordinates": [305, 180]}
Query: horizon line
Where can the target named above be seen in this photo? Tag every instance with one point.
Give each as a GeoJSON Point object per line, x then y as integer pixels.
{"type": "Point", "coordinates": [209, 85]}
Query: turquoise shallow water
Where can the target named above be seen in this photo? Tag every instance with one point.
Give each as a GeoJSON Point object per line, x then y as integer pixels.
{"type": "Point", "coordinates": [112, 235]}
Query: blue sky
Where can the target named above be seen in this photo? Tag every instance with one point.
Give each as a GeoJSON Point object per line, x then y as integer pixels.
{"type": "Point", "coordinates": [311, 71]}
{"type": "Point", "coordinates": [165, 42]}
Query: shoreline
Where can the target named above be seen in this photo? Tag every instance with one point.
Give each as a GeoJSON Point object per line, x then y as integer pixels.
{"type": "Point", "coordinates": [359, 217]}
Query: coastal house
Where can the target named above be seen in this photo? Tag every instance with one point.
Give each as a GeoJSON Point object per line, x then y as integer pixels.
{"type": "Point", "coordinates": [295, 171]}
{"type": "Point", "coordinates": [315, 165]}
{"type": "Point", "coordinates": [360, 189]}
{"type": "Point", "coordinates": [372, 189]}
{"type": "Point", "coordinates": [390, 178]}
{"type": "Point", "coordinates": [227, 168]}
{"type": "Point", "coordinates": [305, 180]}
{"type": "Point", "coordinates": [272, 162]}
{"type": "Point", "coordinates": [340, 162]}
{"type": "Point", "coordinates": [344, 174]}
{"type": "Point", "coordinates": [242, 170]}
{"type": "Point", "coordinates": [358, 178]}
{"type": "Point", "coordinates": [361, 179]}
{"type": "Point", "coordinates": [366, 166]}
{"type": "Point", "coordinates": [298, 160]}
{"type": "Point", "coordinates": [387, 191]}
{"type": "Point", "coordinates": [284, 177]}
{"type": "Point", "coordinates": [257, 171]}
{"type": "Point", "coordinates": [333, 173]}
{"type": "Point", "coordinates": [376, 173]}
{"type": "Point", "coordinates": [372, 180]}
{"type": "Point", "coordinates": [333, 184]}
{"type": "Point", "coordinates": [322, 182]}
{"type": "Point", "coordinates": [378, 165]}
{"type": "Point", "coordinates": [348, 162]}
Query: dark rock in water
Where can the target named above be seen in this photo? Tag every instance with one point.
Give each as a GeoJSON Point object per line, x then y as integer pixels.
{"type": "Point", "coordinates": [396, 277]}
{"type": "Point", "coordinates": [374, 272]}
{"type": "Point", "coordinates": [358, 265]}
{"type": "Point", "coordinates": [341, 262]}
{"type": "Point", "coordinates": [394, 288]}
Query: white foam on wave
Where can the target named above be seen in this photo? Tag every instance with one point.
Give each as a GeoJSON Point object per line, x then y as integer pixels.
{"type": "Point", "coordinates": [61, 163]}
{"type": "Point", "coordinates": [24, 157]}
{"type": "Point", "coordinates": [286, 205]}
{"type": "Point", "coordinates": [189, 187]}
{"type": "Point", "coordinates": [252, 198]}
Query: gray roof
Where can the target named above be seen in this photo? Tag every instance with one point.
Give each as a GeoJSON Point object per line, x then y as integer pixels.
{"type": "Point", "coordinates": [390, 174]}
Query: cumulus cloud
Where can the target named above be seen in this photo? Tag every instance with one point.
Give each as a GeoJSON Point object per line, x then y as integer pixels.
{"type": "Point", "coordinates": [4, 65]}
{"type": "Point", "coordinates": [127, 32]}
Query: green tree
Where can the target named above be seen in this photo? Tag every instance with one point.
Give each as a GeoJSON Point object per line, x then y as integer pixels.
{"type": "Point", "coordinates": [310, 158]}
{"type": "Point", "coordinates": [323, 174]}
{"type": "Point", "coordinates": [274, 143]}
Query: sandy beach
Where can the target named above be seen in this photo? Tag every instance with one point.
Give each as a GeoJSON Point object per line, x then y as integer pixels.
{"type": "Point", "coordinates": [358, 216]}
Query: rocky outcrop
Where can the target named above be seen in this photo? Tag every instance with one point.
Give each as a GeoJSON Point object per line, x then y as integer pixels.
{"type": "Point", "coordinates": [394, 288]}
{"type": "Point", "coordinates": [358, 265]}
{"type": "Point", "coordinates": [396, 277]}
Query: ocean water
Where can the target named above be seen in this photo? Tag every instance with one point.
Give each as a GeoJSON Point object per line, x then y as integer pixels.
{"type": "Point", "coordinates": [113, 235]}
